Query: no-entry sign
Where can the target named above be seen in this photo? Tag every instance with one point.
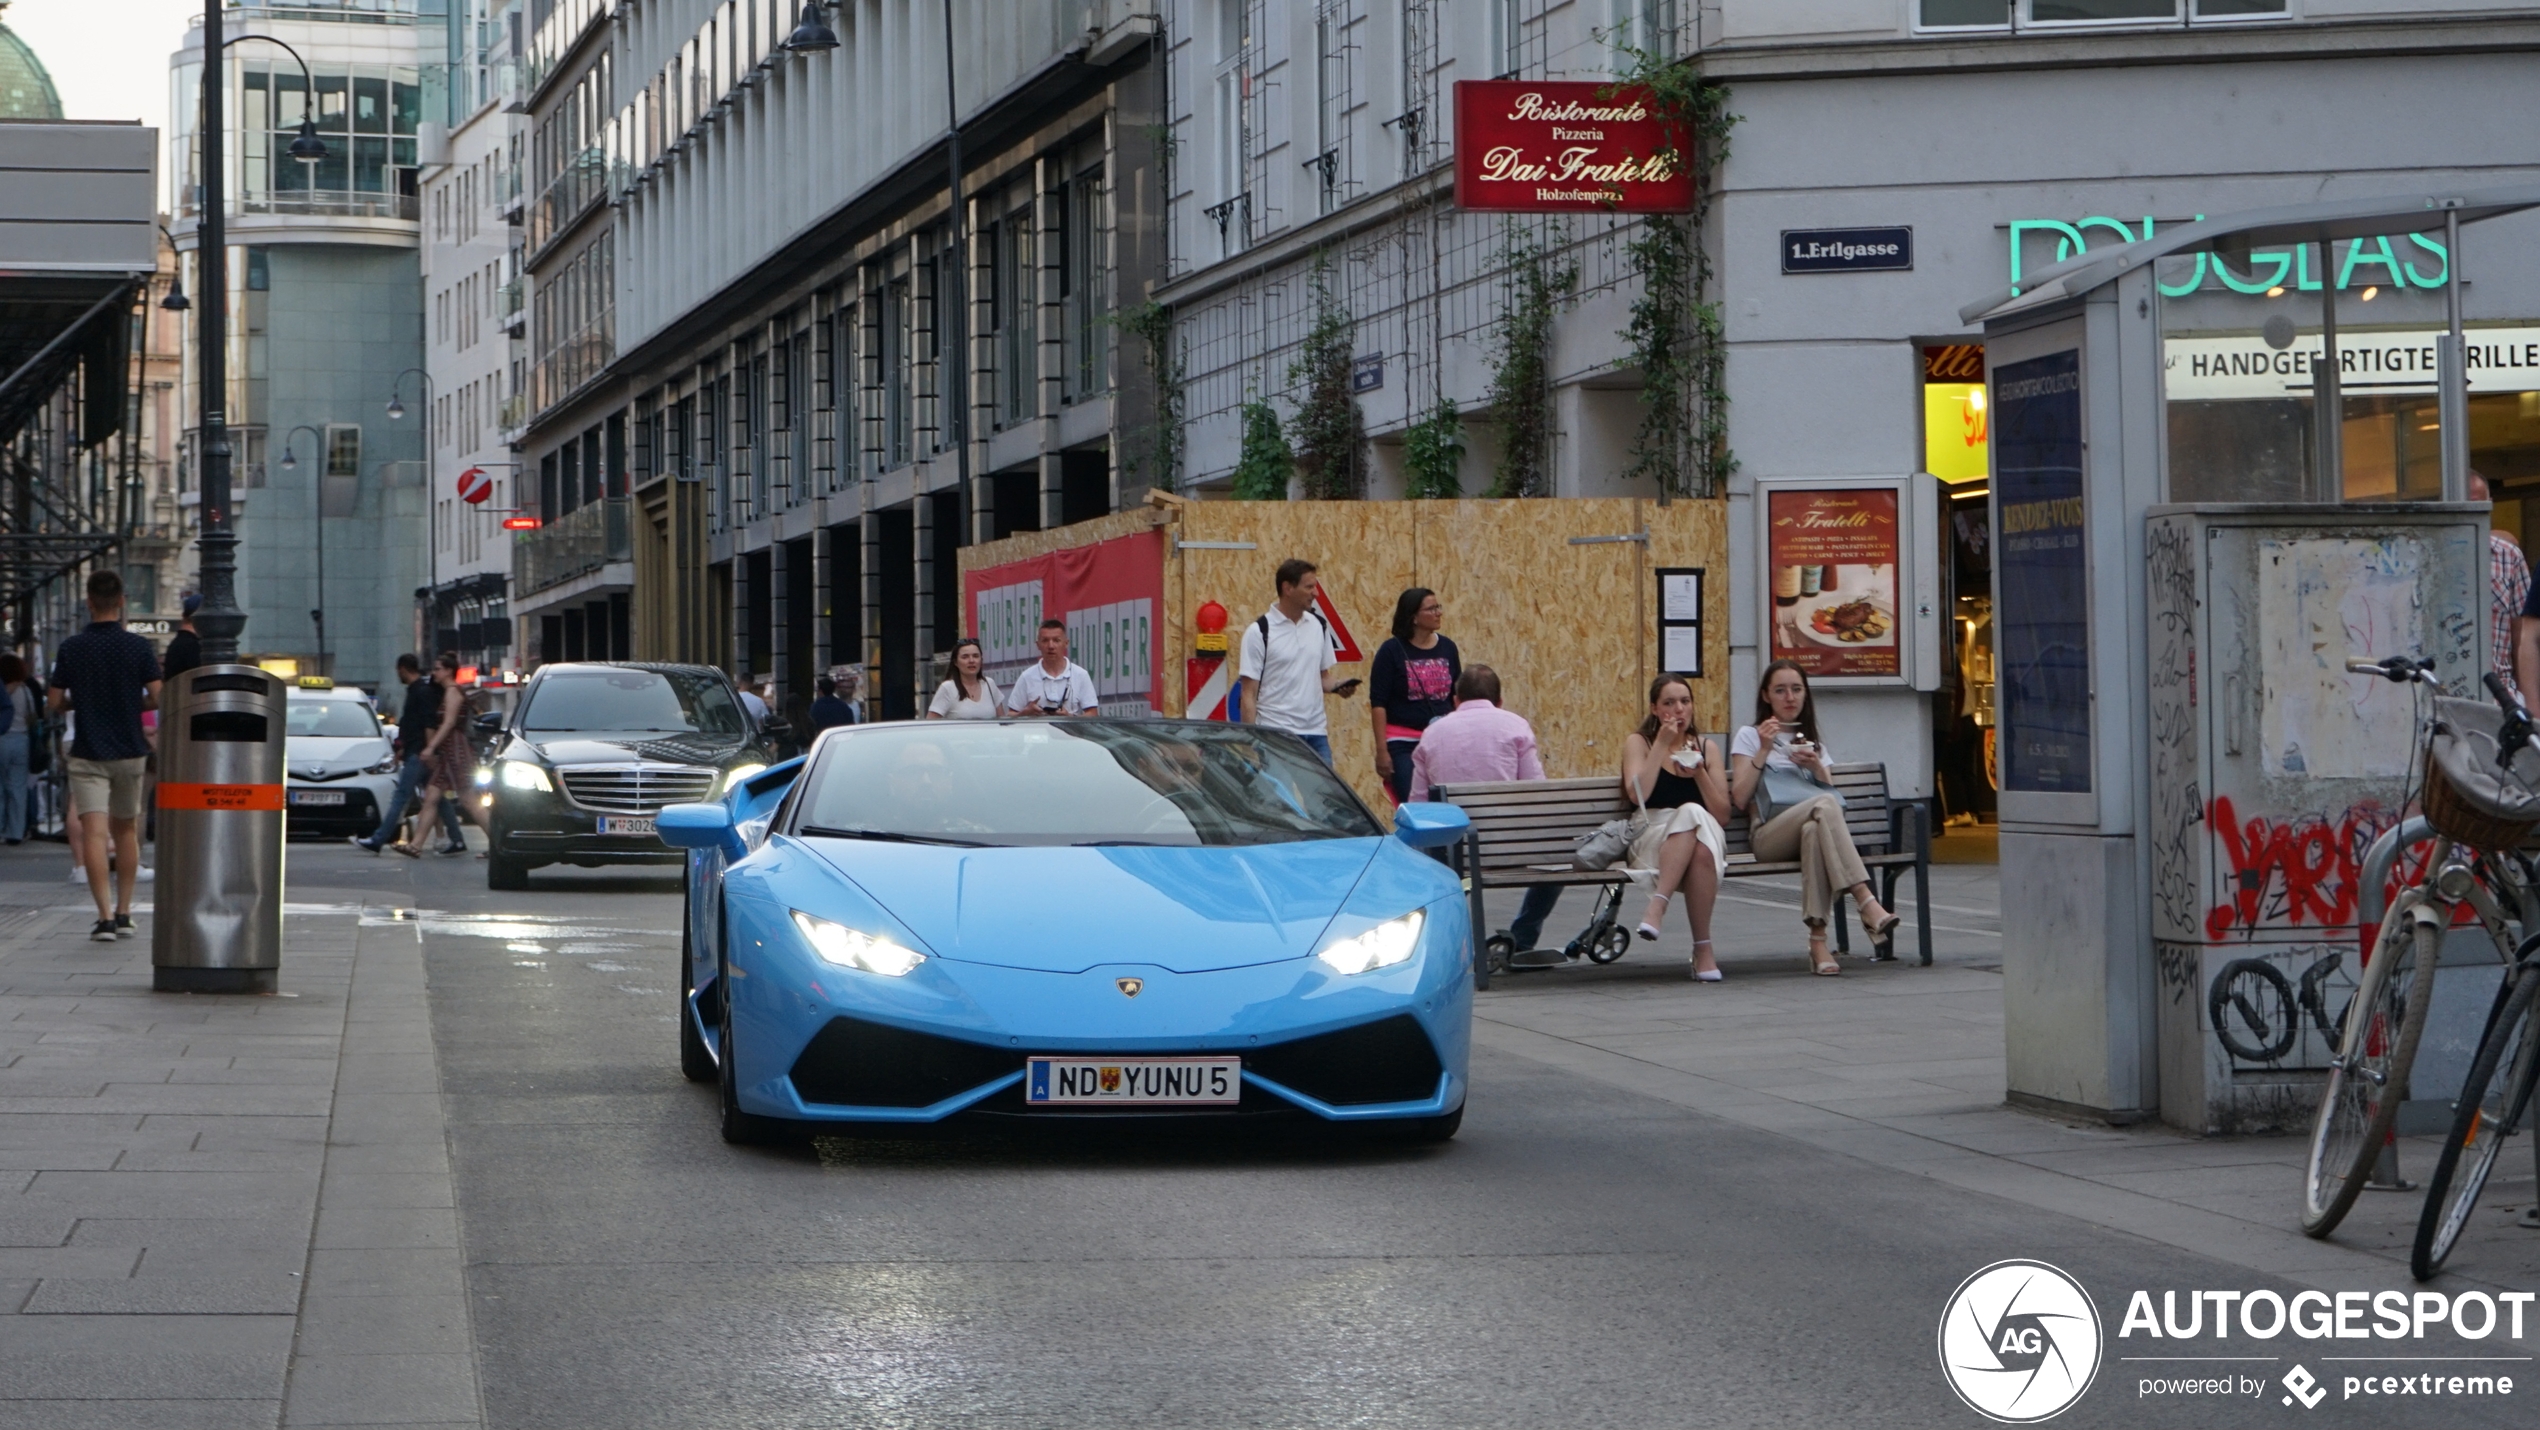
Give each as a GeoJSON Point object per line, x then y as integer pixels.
{"type": "Point", "coordinates": [1565, 147]}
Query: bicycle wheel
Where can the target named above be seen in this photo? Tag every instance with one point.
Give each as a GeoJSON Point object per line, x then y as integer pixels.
{"type": "Point", "coordinates": [2366, 1083]}
{"type": "Point", "coordinates": [2486, 1117]}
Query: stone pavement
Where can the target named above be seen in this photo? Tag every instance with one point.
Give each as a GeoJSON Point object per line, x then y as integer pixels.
{"type": "Point", "coordinates": [1902, 1066]}
{"type": "Point", "coordinates": [221, 1212]}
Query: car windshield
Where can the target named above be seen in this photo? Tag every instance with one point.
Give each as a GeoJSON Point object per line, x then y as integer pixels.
{"type": "Point", "coordinates": [619, 698]}
{"type": "Point", "coordinates": [1041, 782]}
{"type": "Point", "coordinates": [333, 719]}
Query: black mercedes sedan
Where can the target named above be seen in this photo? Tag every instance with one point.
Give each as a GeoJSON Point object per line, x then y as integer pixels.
{"type": "Point", "coordinates": [593, 751]}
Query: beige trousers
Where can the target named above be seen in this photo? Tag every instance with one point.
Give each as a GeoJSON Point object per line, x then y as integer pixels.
{"type": "Point", "coordinates": [1815, 834]}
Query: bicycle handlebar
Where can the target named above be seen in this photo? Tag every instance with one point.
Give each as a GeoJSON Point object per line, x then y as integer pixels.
{"type": "Point", "coordinates": [2398, 669]}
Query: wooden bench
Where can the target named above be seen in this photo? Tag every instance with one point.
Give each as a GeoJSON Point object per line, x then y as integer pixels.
{"type": "Point", "coordinates": [1525, 832]}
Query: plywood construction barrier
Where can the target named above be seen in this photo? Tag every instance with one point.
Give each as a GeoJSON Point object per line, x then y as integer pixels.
{"type": "Point", "coordinates": [1562, 596]}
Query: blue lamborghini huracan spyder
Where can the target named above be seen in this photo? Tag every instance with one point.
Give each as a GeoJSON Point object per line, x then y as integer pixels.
{"type": "Point", "coordinates": [1055, 919]}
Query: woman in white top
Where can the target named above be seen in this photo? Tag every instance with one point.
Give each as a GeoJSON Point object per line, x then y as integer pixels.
{"type": "Point", "coordinates": [969, 694]}
{"type": "Point", "coordinates": [1673, 778]}
{"type": "Point", "coordinates": [1784, 738]}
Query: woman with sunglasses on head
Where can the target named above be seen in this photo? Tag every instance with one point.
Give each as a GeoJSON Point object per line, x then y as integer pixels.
{"type": "Point", "coordinates": [1672, 777]}
{"type": "Point", "coordinates": [968, 694]}
{"type": "Point", "coordinates": [1782, 757]}
{"type": "Point", "coordinates": [1411, 683]}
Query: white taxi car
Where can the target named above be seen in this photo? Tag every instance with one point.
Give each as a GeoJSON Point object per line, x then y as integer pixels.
{"type": "Point", "coordinates": [338, 767]}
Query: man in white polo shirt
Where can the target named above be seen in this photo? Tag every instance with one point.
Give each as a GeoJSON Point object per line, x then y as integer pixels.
{"type": "Point", "coordinates": [1054, 685]}
{"type": "Point", "coordinates": [1287, 662]}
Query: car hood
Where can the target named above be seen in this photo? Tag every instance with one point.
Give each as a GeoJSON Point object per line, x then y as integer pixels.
{"type": "Point", "coordinates": [326, 754]}
{"type": "Point", "coordinates": [1064, 910]}
{"type": "Point", "coordinates": [565, 748]}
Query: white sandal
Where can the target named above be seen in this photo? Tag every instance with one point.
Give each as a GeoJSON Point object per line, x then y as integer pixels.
{"type": "Point", "coordinates": [1698, 975]}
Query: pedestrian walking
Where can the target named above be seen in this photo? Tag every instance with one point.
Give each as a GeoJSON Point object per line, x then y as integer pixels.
{"type": "Point", "coordinates": [1411, 683]}
{"type": "Point", "coordinates": [1779, 773]}
{"type": "Point", "coordinates": [110, 676]}
{"type": "Point", "coordinates": [449, 760]}
{"type": "Point", "coordinates": [1679, 794]}
{"type": "Point", "coordinates": [185, 648]}
{"type": "Point", "coordinates": [1287, 661]}
{"type": "Point", "coordinates": [1477, 741]}
{"type": "Point", "coordinates": [851, 690]}
{"type": "Point", "coordinates": [827, 710]}
{"type": "Point", "coordinates": [17, 738]}
{"type": "Point", "coordinates": [1053, 686]}
{"type": "Point", "coordinates": [416, 716]}
{"type": "Point", "coordinates": [968, 694]}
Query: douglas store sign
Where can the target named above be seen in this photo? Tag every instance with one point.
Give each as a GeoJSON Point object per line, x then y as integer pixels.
{"type": "Point", "coordinates": [1566, 147]}
{"type": "Point", "coordinates": [2416, 260]}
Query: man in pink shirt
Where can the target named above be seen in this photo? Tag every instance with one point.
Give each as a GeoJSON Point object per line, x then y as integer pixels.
{"type": "Point", "coordinates": [1478, 741]}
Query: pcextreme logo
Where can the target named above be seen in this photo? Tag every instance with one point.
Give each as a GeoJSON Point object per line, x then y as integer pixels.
{"type": "Point", "coordinates": [2020, 1341]}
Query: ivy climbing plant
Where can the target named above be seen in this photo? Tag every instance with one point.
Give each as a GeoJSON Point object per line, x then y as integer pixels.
{"type": "Point", "coordinates": [1152, 324]}
{"type": "Point", "coordinates": [1266, 462]}
{"type": "Point", "coordinates": [1331, 433]}
{"type": "Point", "coordinates": [1521, 367]}
{"type": "Point", "coordinates": [1675, 332]}
{"type": "Point", "coordinates": [1433, 454]}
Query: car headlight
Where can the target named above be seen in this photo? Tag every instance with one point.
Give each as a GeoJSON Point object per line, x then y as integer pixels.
{"type": "Point", "coordinates": [732, 780]}
{"type": "Point", "coordinates": [484, 776]}
{"type": "Point", "coordinates": [850, 948]}
{"type": "Point", "coordinates": [385, 765]}
{"type": "Point", "coordinates": [1383, 946]}
{"type": "Point", "coordinates": [525, 774]}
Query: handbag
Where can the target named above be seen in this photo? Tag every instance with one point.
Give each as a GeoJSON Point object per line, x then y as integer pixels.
{"type": "Point", "coordinates": [1782, 790]}
{"type": "Point", "coordinates": [1602, 846]}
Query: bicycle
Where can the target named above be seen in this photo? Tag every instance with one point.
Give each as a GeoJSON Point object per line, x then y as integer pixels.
{"type": "Point", "coordinates": [2385, 1019]}
{"type": "Point", "coordinates": [2488, 1112]}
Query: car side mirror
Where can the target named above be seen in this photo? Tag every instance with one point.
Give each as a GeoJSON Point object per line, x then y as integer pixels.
{"type": "Point", "coordinates": [1430, 826]}
{"type": "Point", "coordinates": [700, 826]}
{"type": "Point", "coordinates": [491, 722]}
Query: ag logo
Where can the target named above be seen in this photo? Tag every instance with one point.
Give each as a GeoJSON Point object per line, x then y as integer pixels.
{"type": "Point", "coordinates": [2019, 1341]}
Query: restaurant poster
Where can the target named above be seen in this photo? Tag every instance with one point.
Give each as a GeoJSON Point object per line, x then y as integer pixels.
{"type": "Point", "coordinates": [1567, 146]}
{"type": "Point", "coordinates": [1832, 553]}
{"type": "Point", "coordinates": [1110, 594]}
{"type": "Point", "coordinates": [2041, 597]}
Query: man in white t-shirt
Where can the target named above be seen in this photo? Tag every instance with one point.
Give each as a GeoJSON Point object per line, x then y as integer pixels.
{"type": "Point", "coordinates": [1287, 662]}
{"type": "Point", "coordinates": [1054, 686]}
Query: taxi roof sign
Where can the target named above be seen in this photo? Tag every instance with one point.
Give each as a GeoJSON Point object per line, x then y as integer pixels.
{"type": "Point", "coordinates": [317, 682]}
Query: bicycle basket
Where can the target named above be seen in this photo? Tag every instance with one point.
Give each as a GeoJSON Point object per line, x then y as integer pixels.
{"type": "Point", "coordinates": [2468, 799]}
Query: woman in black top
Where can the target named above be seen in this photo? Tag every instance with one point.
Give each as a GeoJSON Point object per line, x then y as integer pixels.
{"type": "Point", "coordinates": [1412, 684]}
{"type": "Point", "coordinates": [1674, 778]}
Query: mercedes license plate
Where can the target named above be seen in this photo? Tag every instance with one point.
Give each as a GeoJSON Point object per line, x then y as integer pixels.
{"type": "Point", "coordinates": [1068, 1082]}
{"type": "Point", "coordinates": [627, 824]}
{"type": "Point", "coordinates": [317, 796]}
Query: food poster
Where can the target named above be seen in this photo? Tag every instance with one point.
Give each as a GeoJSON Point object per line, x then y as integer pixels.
{"type": "Point", "coordinates": [1832, 554]}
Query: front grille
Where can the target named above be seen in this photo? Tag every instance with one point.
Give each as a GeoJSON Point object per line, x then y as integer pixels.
{"type": "Point", "coordinates": [854, 1063]}
{"type": "Point", "coordinates": [1390, 1060]}
{"type": "Point", "coordinates": [636, 789]}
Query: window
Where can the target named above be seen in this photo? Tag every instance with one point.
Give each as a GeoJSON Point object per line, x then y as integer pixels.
{"type": "Point", "coordinates": [898, 314]}
{"type": "Point", "coordinates": [1083, 294]}
{"type": "Point", "coordinates": [1652, 24]}
{"type": "Point", "coordinates": [343, 450]}
{"type": "Point", "coordinates": [1963, 14]}
{"type": "Point", "coordinates": [2099, 12]}
{"type": "Point", "coordinates": [2058, 14]}
{"type": "Point", "coordinates": [1015, 312]}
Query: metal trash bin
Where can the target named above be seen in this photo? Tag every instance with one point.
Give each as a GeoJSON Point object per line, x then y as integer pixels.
{"type": "Point", "coordinates": [217, 926]}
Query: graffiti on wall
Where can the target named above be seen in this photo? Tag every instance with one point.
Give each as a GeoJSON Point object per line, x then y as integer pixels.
{"type": "Point", "coordinates": [2177, 803]}
{"type": "Point", "coordinates": [2299, 872]}
{"type": "Point", "coordinates": [2282, 1008]}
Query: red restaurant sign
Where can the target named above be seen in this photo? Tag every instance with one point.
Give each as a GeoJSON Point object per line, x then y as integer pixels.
{"type": "Point", "coordinates": [1565, 147]}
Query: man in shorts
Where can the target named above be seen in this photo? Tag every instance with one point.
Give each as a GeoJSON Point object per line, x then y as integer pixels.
{"type": "Point", "coordinates": [108, 676]}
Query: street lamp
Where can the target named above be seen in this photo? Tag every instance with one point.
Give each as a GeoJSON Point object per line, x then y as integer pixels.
{"type": "Point", "coordinates": [813, 33]}
{"type": "Point", "coordinates": [176, 301]}
{"type": "Point", "coordinates": [431, 500]}
{"type": "Point", "coordinates": [317, 517]}
{"type": "Point", "coordinates": [307, 147]}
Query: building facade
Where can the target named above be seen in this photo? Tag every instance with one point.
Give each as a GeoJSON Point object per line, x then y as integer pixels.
{"type": "Point", "coordinates": [326, 320]}
{"type": "Point", "coordinates": [475, 324]}
{"type": "Point", "coordinates": [2134, 116]}
{"type": "Point", "coordinates": [756, 333]}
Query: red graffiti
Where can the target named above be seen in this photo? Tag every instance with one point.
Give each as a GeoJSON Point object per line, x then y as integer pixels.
{"type": "Point", "coordinates": [2299, 871]}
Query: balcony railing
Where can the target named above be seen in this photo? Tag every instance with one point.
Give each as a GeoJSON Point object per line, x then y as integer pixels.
{"type": "Point", "coordinates": [511, 305]}
{"type": "Point", "coordinates": [582, 540]}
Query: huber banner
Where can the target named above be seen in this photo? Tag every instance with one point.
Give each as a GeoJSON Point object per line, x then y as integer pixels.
{"type": "Point", "coordinates": [1570, 146]}
{"type": "Point", "coordinates": [1110, 594]}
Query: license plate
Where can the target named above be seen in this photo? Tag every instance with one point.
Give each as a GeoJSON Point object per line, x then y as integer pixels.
{"type": "Point", "coordinates": [627, 824]}
{"type": "Point", "coordinates": [317, 796]}
{"type": "Point", "coordinates": [1065, 1082]}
